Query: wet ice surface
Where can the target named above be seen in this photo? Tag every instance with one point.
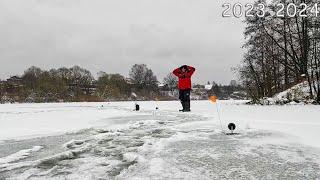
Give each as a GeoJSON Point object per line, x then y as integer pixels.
{"type": "Point", "coordinates": [161, 145]}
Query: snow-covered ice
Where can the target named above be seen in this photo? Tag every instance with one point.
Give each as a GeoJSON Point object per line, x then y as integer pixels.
{"type": "Point", "coordinates": [111, 141]}
{"type": "Point", "coordinates": [33, 120]}
{"type": "Point", "coordinates": [22, 154]}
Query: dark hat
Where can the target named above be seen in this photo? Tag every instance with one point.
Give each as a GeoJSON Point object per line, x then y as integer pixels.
{"type": "Point", "coordinates": [184, 67]}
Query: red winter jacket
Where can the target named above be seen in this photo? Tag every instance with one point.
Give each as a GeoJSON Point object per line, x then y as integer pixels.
{"type": "Point", "coordinates": [184, 77]}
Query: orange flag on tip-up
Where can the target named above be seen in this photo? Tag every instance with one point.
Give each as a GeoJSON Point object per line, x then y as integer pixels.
{"type": "Point", "coordinates": [213, 99]}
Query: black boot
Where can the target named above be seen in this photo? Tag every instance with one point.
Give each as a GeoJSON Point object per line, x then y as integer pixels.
{"type": "Point", "coordinates": [183, 106]}
{"type": "Point", "coordinates": [187, 107]}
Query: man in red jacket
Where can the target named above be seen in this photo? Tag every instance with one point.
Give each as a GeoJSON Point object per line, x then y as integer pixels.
{"type": "Point", "coordinates": [184, 74]}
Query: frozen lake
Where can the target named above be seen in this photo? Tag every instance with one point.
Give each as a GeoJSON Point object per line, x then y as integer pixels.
{"type": "Point", "coordinates": [110, 141]}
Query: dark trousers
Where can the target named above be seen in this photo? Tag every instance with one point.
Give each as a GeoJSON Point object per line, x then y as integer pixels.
{"type": "Point", "coordinates": [184, 96]}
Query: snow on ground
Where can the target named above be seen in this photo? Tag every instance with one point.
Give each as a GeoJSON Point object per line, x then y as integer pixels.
{"type": "Point", "coordinates": [22, 154]}
{"type": "Point", "coordinates": [33, 120]}
{"type": "Point", "coordinates": [297, 94]}
{"type": "Point", "coordinates": [110, 141]}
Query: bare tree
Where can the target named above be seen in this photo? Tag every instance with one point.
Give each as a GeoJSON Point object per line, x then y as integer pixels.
{"type": "Point", "coordinates": [142, 76]}
{"type": "Point", "coordinates": [281, 52]}
{"type": "Point", "coordinates": [144, 82]}
{"type": "Point", "coordinates": [171, 81]}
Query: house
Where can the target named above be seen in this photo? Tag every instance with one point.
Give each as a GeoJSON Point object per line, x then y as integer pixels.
{"type": "Point", "coordinates": [208, 87]}
{"type": "Point", "coordinates": [199, 92]}
{"type": "Point", "coordinates": [15, 81]}
{"type": "Point", "coordinates": [166, 91]}
{"type": "Point", "coordinates": [13, 85]}
{"type": "Point", "coordinates": [129, 80]}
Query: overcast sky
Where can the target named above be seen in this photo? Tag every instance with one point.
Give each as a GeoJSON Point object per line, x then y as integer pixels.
{"type": "Point", "coordinates": [112, 35]}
